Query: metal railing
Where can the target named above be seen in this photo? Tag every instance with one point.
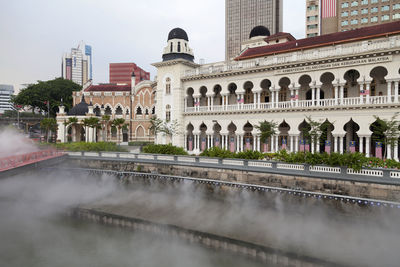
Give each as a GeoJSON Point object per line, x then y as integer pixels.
{"type": "Point", "coordinates": [383, 176]}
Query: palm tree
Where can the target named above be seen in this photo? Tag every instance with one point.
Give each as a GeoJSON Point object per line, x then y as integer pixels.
{"type": "Point", "coordinates": [48, 124]}
{"type": "Point", "coordinates": [267, 129]}
{"type": "Point", "coordinates": [86, 123]}
{"type": "Point", "coordinates": [118, 123]}
{"type": "Point", "coordinates": [94, 124]}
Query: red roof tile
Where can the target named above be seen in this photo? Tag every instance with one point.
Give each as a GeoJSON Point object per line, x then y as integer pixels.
{"type": "Point", "coordinates": [108, 88]}
{"type": "Point", "coordinates": [323, 40]}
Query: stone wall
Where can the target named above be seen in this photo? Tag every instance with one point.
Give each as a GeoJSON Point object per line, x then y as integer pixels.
{"type": "Point", "coordinates": [340, 187]}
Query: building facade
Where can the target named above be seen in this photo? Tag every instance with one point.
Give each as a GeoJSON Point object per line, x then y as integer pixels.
{"type": "Point", "coordinates": [135, 104]}
{"type": "Point", "coordinates": [77, 65]}
{"type": "Point", "coordinates": [122, 72]}
{"type": "Point", "coordinates": [329, 16]}
{"type": "Point", "coordinates": [241, 16]}
{"type": "Point", "coordinates": [344, 80]}
{"type": "Point", "coordinates": [6, 91]}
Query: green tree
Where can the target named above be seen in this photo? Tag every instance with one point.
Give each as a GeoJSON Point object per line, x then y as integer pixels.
{"type": "Point", "coordinates": [37, 95]}
{"type": "Point", "coordinates": [266, 129]}
{"type": "Point", "coordinates": [314, 130]}
{"type": "Point", "coordinates": [48, 125]}
{"type": "Point", "coordinates": [390, 130]}
{"type": "Point", "coordinates": [118, 123]}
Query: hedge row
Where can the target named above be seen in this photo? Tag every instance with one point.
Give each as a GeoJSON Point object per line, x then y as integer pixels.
{"type": "Point", "coordinates": [84, 146]}
{"type": "Point", "coordinates": [164, 149]}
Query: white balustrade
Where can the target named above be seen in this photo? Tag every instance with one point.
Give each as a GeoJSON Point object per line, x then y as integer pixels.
{"type": "Point", "coordinates": [375, 173]}
{"type": "Point", "coordinates": [260, 164]}
{"type": "Point", "coordinates": [378, 100]}
{"type": "Point", "coordinates": [325, 169]}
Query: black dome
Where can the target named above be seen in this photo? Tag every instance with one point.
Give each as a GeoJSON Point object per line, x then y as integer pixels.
{"type": "Point", "coordinates": [259, 31]}
{"type": "Point", "coordinates": [81, 109]}
{"type": "Point", "coordinates": [178, 33]}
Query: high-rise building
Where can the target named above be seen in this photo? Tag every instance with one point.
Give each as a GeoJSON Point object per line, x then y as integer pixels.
{"type": "Point", "coordinates": [5, 97]}
{"type": "Point", "coordinates": [77, 65]}
{"type": "Point", "coordinates": [241, 16]}
{"type": "Point", "coordinates": [122, 73]}
{"type": "Point", "coordinates": [329, 16]}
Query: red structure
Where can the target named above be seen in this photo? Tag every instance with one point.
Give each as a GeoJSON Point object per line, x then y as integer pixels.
{"type": "Point", "coordinates": [122, 73]}
{"type": "Point", "coordinates": [26, 159]}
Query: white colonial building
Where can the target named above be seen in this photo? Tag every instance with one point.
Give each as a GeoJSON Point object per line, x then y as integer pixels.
{"type": "Point", "coordinates": [345, 79]}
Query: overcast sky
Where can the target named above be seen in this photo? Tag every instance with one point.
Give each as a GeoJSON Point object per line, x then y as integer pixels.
{"type": "Point", "coordinates": [34, 34]}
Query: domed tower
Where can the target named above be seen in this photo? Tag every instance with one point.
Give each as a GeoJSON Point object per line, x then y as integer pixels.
{"type": "Point", "coordinates": [259, 31]}
{"type": "Point", "coordinates": [177, 58]}
{"type": "Point", "coordinates": [178, 46]}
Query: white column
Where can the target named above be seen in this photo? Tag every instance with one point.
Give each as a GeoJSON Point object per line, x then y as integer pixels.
{"type": "Point", "coordinates": [296, 145]}
{"type": "Point", "coordinates": [277, 143]}
{"type": "Point", "coordinates": [367, 146]}
{"type": "Point", "coordinates": [341, 144]}
{"type": "Point", "coordinates": [258, 143]}
{"type": "Point", "coordinates": [318, 95]}
{"type": "Point", "coordinates": [212, 140]}
{"type": "Point", "coordinates": [336, 94]}
{"type": "Point", "coordinates": [291, 143]}
{"type": "Point", "coordinates": [312, 145]}
{"type": "Point", "coordinates": [276, 98]}
{"type": "Point", "coordinates": [389, 91]}
{"type": "Point", "coordinates": [389, 151]}
{"type": "Point", "coordinates": [341, 94]}
{"type": "Point", "coordinates": [317, 148]}
{"type": "Point", "coordinates": [237, 143]}
{"type": "Point", "coordinates": [259, 100]}
{"type": "Point", "coordinates": [255, 100]}
{"type": "Point", "coordinates": [272, 144]}
{"type": "Point", "coordinates": [396, 151]}
{"type": "Point", "coordinates": [313, 96]}
{"type": "Point", "coordinates": [367, 88]}
{"type": "Point", "coordinates": [297, 96]}
{"type": "Point", "coordinates": [361, 96]}
{"type": "Point", "coordinates": [396, 91]}
{"type": "Point", "coordinates": [185, 142]}
{"type": "Point", "coordinates": [272, 99]}
{"type": "Point", "coordinates": [241, 142]}
{"type": "Point", "coordinates": [212, 103]}
{"type": "Point", "coordinates": [237, 101]}
{"type": "Point", "coordinates": [361, 144]}
{"type": "Point", "coordinates": [291, 98]}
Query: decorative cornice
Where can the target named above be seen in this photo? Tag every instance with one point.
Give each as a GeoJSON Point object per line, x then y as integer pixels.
{"type": "Point", "coordinates": [287, 65]}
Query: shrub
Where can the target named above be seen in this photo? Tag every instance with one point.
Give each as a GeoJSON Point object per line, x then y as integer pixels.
{"type": "Point", "coordinates": [164, 149]}
{"type": "Point", "coordinates": [217, 152]}
{"type": "Point", "coordinates": [84, 146]}
{"type": "Point", "coordinates": [140, 143]}
{"type": "Point", "coordinates": [249, 154]}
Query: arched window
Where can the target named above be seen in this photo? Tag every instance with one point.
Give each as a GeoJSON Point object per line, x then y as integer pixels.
{"type": "Point", "coordinates": [179, 46]}
{"type": "Point", "coordinates": [107, 111]}
{"type": "Point", "coordinates": [118, 111]}
{"type": "Point", "coordinates": [168, 86]}
{"type": "Point", "coordinates": [172, 47]}
{"type": "Point", "coordinates": [168, 113]}
{"type": "Point", "coordinates": [147, 111]}
{"type": "Point", "coordinates": [139, 111]}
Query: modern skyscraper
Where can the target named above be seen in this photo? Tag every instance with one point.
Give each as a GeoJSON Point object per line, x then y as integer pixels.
{"type": "Point", "coordinates": [77, 65]}
{"type": "Point", "coordinates": [122, 73]}
{"type": "Point", "coordinates": [241, 16]}
{"type": "Point", "coordinates": [329, 16]}
{"type": "Point", "coordinates": [5, 97]}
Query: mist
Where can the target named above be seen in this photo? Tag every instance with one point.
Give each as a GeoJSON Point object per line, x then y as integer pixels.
{"type": "Point", "coordinates": [35, 230]}
{"type": "Point", "coordinates": [14, 143]}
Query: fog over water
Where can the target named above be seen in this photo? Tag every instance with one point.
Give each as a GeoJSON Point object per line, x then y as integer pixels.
{"type": "Point", "coordinates": [34, 230]}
